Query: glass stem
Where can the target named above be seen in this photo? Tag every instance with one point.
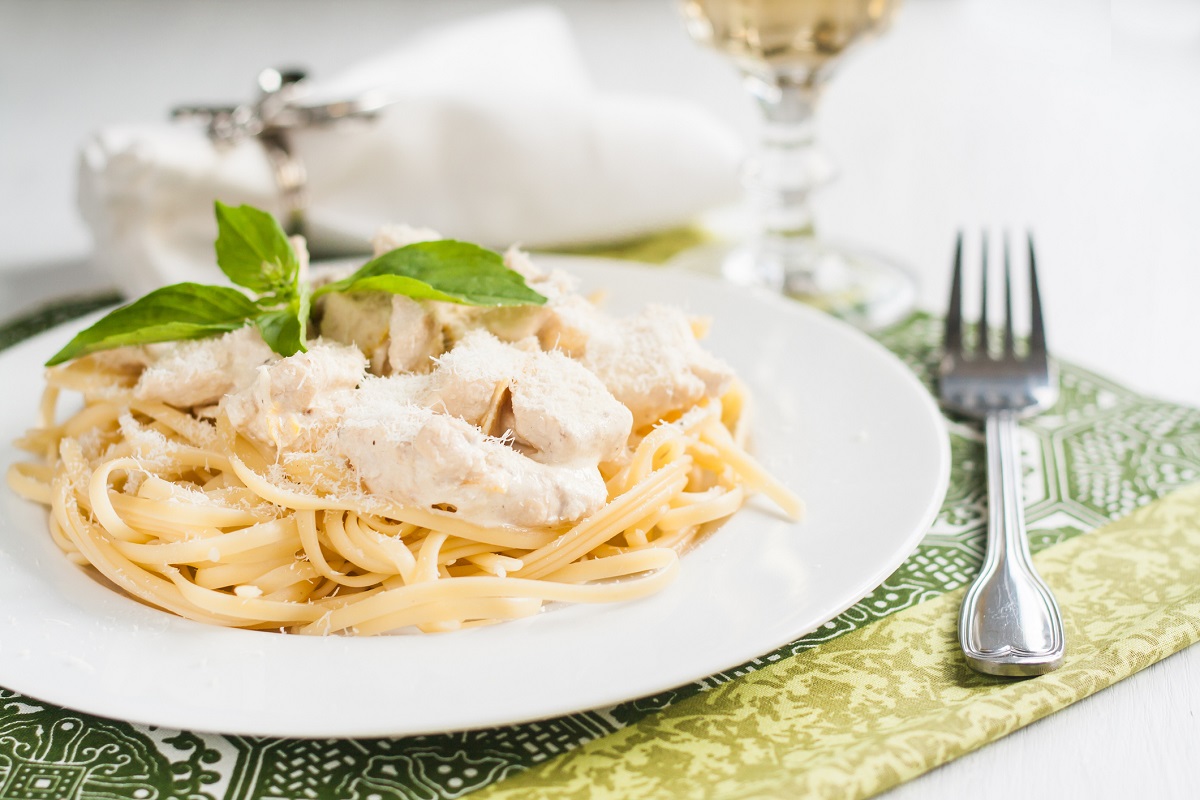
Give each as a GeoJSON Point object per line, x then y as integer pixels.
{"type": "Point", "coordinates": [787, 168]}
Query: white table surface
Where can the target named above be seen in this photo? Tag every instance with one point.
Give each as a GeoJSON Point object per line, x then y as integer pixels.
{"type": "Point", "coordinates": [1078, 119]}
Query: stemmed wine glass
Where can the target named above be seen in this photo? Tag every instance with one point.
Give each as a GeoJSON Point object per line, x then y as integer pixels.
{"type": "Point", "coordinates": [786, 51]}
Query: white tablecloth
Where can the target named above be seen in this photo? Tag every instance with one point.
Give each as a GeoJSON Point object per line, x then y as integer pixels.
{"type": "Point", "coordinates": [1076, 119]}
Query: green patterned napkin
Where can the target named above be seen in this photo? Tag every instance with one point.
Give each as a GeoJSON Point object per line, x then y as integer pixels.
{"type": "Point", "coordinates": [874, 697]}
{"type": "Point", "coordinates": [889, 701]}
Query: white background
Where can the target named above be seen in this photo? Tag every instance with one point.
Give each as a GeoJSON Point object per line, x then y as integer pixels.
{"type": "Point", "coordinates": [1079, 120]}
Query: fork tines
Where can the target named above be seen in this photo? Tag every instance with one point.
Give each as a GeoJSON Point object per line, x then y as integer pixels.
{"type": "Point", "coordinates": [954, 344]}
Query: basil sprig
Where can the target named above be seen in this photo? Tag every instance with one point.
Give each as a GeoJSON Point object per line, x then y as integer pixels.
{"type": "Point", "coordinates": [254, 253]}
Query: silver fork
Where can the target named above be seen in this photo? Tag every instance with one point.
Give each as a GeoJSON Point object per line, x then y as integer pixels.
{"type": "Point", "coordinates": [1009, 623]}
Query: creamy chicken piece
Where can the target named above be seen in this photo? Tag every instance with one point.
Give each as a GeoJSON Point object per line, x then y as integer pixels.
{"type": "Point", "coordinates": [297, 401]}
{"type": "Point", "coordinates": [572, 322]}
{"type": "Point", "coordinates": [651, 362]}
{"type": "Point", "coordinates": [414, 336]}
{"type": "Point", "coordinates": [556, 410]}
{"type": "Point", "coordinates": [396, 333]}
{"type": "Point", "coordinates": [360, 319]}
{"type": "Point", "coordinates": [466, 379]}
{"type": "Point", "coordinates": [132, 359]}
{"type": "Point", "coordinates": [418, 457]}
{"type": "Point", "coordinates": [200, 372]}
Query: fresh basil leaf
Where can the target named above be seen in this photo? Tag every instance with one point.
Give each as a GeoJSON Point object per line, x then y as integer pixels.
{"type": "Point", "coordinates": [281, 330]}
{"type": "Point", "coordinates": [253, 251]}
{"type": "Point", "coordinates": [286, 330]}
{"type": "Point", "coordinates": [399, 284]}
{"type": "Point", "coordinates": [449, 270]}
{"type": "Point", "coordinates": [172, 313]}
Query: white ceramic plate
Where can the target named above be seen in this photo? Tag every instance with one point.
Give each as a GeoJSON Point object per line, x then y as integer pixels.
{"type": "Point", "coordinates": [838, 419]}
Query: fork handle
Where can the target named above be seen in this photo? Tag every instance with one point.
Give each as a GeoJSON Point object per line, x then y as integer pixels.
{"type": "Point", "coordinates": [1009, 623]}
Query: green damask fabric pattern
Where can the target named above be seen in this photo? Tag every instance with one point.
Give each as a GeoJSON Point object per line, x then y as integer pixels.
{"type": "Point", "coordinates": [1099, 455]}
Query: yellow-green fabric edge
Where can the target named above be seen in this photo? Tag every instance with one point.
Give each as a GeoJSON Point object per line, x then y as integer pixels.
{"type": "Point", "coordinates": [890, 701]}
{"type": "Point", "coordinates": [656, 248]}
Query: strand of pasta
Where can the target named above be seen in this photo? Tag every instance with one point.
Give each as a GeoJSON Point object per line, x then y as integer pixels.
{"type": "Point", "coordinates": [751, 471]}
{"type": "Point", "coordinates": [619, 514]}
{"type": "Point", "coordinates": [339, 538]}
{"type": "Point", "coordinates": [306, 525]}
{"type": "Point", "coordinates": [659, 564]}
{"type": "Point", "coordinates": [717, 505]}
{"type": "Point", "coordinates": [390, 549]}
{"type": "Point", "coordinates": [162, 517]}
{"type": "Point", "coordinates": [31, 481]}
{"type": "Point", "coordinates": [263, 540]}
{"type": "Point", "coordinates": [255, 609]}
{"type": "Point", "coordinates": [427, 557]}
{"type": "Point", "coordinates": [432, 617]}
{"type": "Point", "coordinates": [495, 563]}
{"type": "Point", "coordinates": [48, 407]}
{"type": "Point", "coordinates": [64, 543]}
{"type": "Point", "coordinates": [243, 572]}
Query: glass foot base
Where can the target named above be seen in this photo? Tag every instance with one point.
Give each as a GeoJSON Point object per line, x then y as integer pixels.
{"type": "Point", "coordinates": [865, 290]}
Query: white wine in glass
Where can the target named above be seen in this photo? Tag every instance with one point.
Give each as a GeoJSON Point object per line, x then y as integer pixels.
{"type": "Point", "coordinates": [786, 51]}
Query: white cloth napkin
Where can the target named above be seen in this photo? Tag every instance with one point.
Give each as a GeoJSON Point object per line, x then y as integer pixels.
{"type": "Point", "coordinates": [496, 137]}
